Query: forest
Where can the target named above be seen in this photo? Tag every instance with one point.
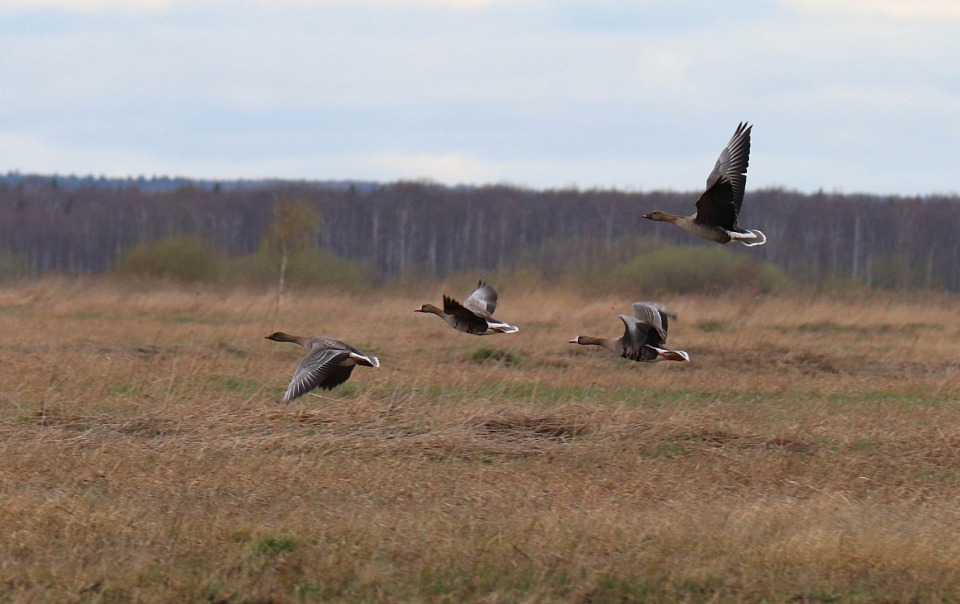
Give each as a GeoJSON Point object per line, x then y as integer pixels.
{"type": "Point", "coordinates": [82, 225]}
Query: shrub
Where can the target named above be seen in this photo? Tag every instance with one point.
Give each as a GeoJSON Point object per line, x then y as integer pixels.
{"type": "Point", "coordinates": [892, 271]}
{"type": "Point", "coordinates": [13, 266]}
{"type": "Point", "coordinates": [305, 267]}
{"type": "Point", "coordinates": [697, 269]}
{"type": "Point", "coordinates": [185, 258]}
{"type": "Point", "coordinates": [273, 545]}
{"type": "Point", "coordinates": [579, 257]}
{"type": "Point", "coordinates": [507, 357]}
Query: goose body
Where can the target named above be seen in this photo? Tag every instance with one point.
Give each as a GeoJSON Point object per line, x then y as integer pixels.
{"type": "Point", "coordinates": [327, 364]}
{"type": "Point", "coordinates": [719, 206]}
{"type": "Point", "coordinates": [644, 336]}
{"type": "Point", "coordinates": [475, 315]}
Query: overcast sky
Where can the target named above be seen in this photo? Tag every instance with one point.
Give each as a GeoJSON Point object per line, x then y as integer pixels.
{"type": "Point", "coordinates": [846, 96]}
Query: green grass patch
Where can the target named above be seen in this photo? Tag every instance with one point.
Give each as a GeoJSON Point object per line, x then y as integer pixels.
{"type": "Point", "coordinates": [829, 327]}
{"type": "Point", "coordinates": [16, 309]}
{"type": "Point", "coordinates": [230, 347]}
{"type": "Point", "coordinates": [485, 354]}
{"type": "Point", "coordinates": [273, 545]}
{"type": "Point", "coordinates": [187, 319]}
{"type": "Point", "coordinates": [712, 326]}
{"type": "Point", "coordinates": [231, 383]}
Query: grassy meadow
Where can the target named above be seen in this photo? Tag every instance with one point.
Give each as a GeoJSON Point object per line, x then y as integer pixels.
{"type": "Point", "coordinates": [810, 452]}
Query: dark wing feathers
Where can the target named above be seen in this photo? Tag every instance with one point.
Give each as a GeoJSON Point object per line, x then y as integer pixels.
{"type": "Point", "coordinates": [715, 207]}
{"type": "Point", "coordinates": [633, 338]}
{"type": "Point", "coordinates": [663, 321]}
{"type": "Point", "coordinates": [720, 203]}
{"type": "Point", "coordinates": [637, 339]}
{"type": "Point", "coordinates": [654, 319]}
{"type": "Point", "coordinates": [319, 369]}
{"type": "Point", "coordinates": [475, 322]}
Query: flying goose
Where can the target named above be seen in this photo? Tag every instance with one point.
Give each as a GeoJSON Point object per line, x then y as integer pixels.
{"type": "Point", "coordinates": [643, 336]}
{"type": "Point", "coordinates": [717, 209]}
{"type": "Point", "coordinates": [327, 364]}
{"type": "Point", "coordinates": [475, 315]}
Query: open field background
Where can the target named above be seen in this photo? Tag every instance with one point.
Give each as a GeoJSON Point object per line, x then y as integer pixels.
{"type": "Point", "coordinates": [809, 453]}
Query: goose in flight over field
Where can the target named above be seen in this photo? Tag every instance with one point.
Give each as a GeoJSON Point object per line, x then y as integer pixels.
{"type": "Point", "coordinates": [475, 315]}
{"type": "Point", "coordinates": [644, 335]}
{"type": "Point", "coordinates": [717, 209]}
{"type": "Point", "coordinates": [327, 364]}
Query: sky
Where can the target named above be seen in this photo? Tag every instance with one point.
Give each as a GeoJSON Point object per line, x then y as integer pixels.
{"type": "Point", "coordinates": [852, 96]}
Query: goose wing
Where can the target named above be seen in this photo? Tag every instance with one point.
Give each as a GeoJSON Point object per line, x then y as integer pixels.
{"type": "Point", "coordinates": [720, 203]}
{"type": "Point", "coordinates": [661, 308]}
{"type": "Point", "coordinates": [635, 335]}
{"type": "Point", "coordinates": [320, 368]}
{"type": "Point", "coordinates": [474, 321]}
{"type": "Point", "coordinates": [654, 319]}
{"type": "Point", "coordinates": [483, 300]}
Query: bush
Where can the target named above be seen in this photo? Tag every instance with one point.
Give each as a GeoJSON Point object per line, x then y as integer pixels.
{"type": "Point", "coordinates": [697, 269]}
{"type": "Point", "coordinates": [13, 266]}
{"type": "Point", "coordinates": [579, 257]}
{"type": "Point", "coordinates": [892, 271]}
{"type": "Point", "coordinates": [306, 267]}
{"type": "Point", "coordinates": [507, 357]}
{"type": "Point", "coordinates": [184, 258]}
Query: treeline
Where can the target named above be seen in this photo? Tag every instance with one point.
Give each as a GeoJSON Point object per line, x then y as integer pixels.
{"type": "Point", "coordinates": [420, 229]}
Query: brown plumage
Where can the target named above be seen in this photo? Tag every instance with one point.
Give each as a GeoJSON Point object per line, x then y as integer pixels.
{"type": "Point", "coordinates": [719, 206]}
{"type": "Point", "coordinates": [644, 336]}
{"type": "Point", "coordinates": [327, 364]}
{"type": "Point", "coordinates": [475, 315]}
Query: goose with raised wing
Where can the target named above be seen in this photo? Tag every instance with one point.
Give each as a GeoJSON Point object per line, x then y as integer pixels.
{"type": "Point", "coordinates": [719, 206]}
{"type": "Point", "coordinates": [644, 336]}
{"type": "Point", "coordinates": [475, 315]}
{"type": "Point", "coordinates": [327, 364]}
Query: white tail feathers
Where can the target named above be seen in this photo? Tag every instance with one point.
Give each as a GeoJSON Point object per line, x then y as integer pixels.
{"type": "Point", "coordinates": [502, 327]}
{"type": "Point", "coordinates": [364, 359]}
{"type": "Point", "coordinates": [671, 355]}
{"type": "Point", "coordinates": [751, 238]}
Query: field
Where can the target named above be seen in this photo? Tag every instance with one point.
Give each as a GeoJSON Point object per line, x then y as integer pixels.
{"type": "Point", "coordinates": [810, 452]}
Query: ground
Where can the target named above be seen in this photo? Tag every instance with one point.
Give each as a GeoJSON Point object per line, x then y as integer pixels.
{"type": "Point", "coordinates": [808, 453]}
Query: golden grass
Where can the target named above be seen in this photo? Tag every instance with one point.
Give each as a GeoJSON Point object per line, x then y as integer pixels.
{"type": "Point", "coordinates": [809, 453]}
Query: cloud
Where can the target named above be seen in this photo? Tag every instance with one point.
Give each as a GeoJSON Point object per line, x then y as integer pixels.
{"type": "Point", "coordinates": [159, 6]}
{"type": "Point", "coordinates": [31, 153]}
{"type": "Point", "coordinates": [896, 9]}
{"type": "Point", "coordinates": [457, 5]}
{"type": "Point", "coordinates": [88, 6]}
{"type": "Point", "coordinates": [468, 91]}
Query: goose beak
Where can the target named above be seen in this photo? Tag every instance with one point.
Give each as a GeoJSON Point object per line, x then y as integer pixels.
{"type": "Point", "coordinates": [573, 341]}
{"type": "Point", "coordinates": [647, 216]}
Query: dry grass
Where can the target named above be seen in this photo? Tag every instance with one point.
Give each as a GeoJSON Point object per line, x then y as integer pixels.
{"type": "Point", "coordinates": [809, 453]}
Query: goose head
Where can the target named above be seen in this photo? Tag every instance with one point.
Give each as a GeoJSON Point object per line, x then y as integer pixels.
{"type": "Point", "coordinates": [278, 336]}
{"type": "Point", "coordinates": [659, 216]}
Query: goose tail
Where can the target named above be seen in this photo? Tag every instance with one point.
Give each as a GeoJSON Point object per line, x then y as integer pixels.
{"type": "Point", "coordinates": [671, 355]}
{"type": "Point", "coordinates": [755, 237]}
{"type": "Point", "coordinates": [503, 328]}
{"type": "Point", "coordinates": [366, 360]}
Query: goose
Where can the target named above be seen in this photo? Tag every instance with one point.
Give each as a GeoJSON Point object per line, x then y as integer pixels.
{"type": "Point", "coordinates": [475, 315]}
{"type": "Point", "coordinates": [643, 336]}
{"type": "Point", "coordinates": [717, 209]}
{"type": "Point", "coordinates": [327, 364]}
